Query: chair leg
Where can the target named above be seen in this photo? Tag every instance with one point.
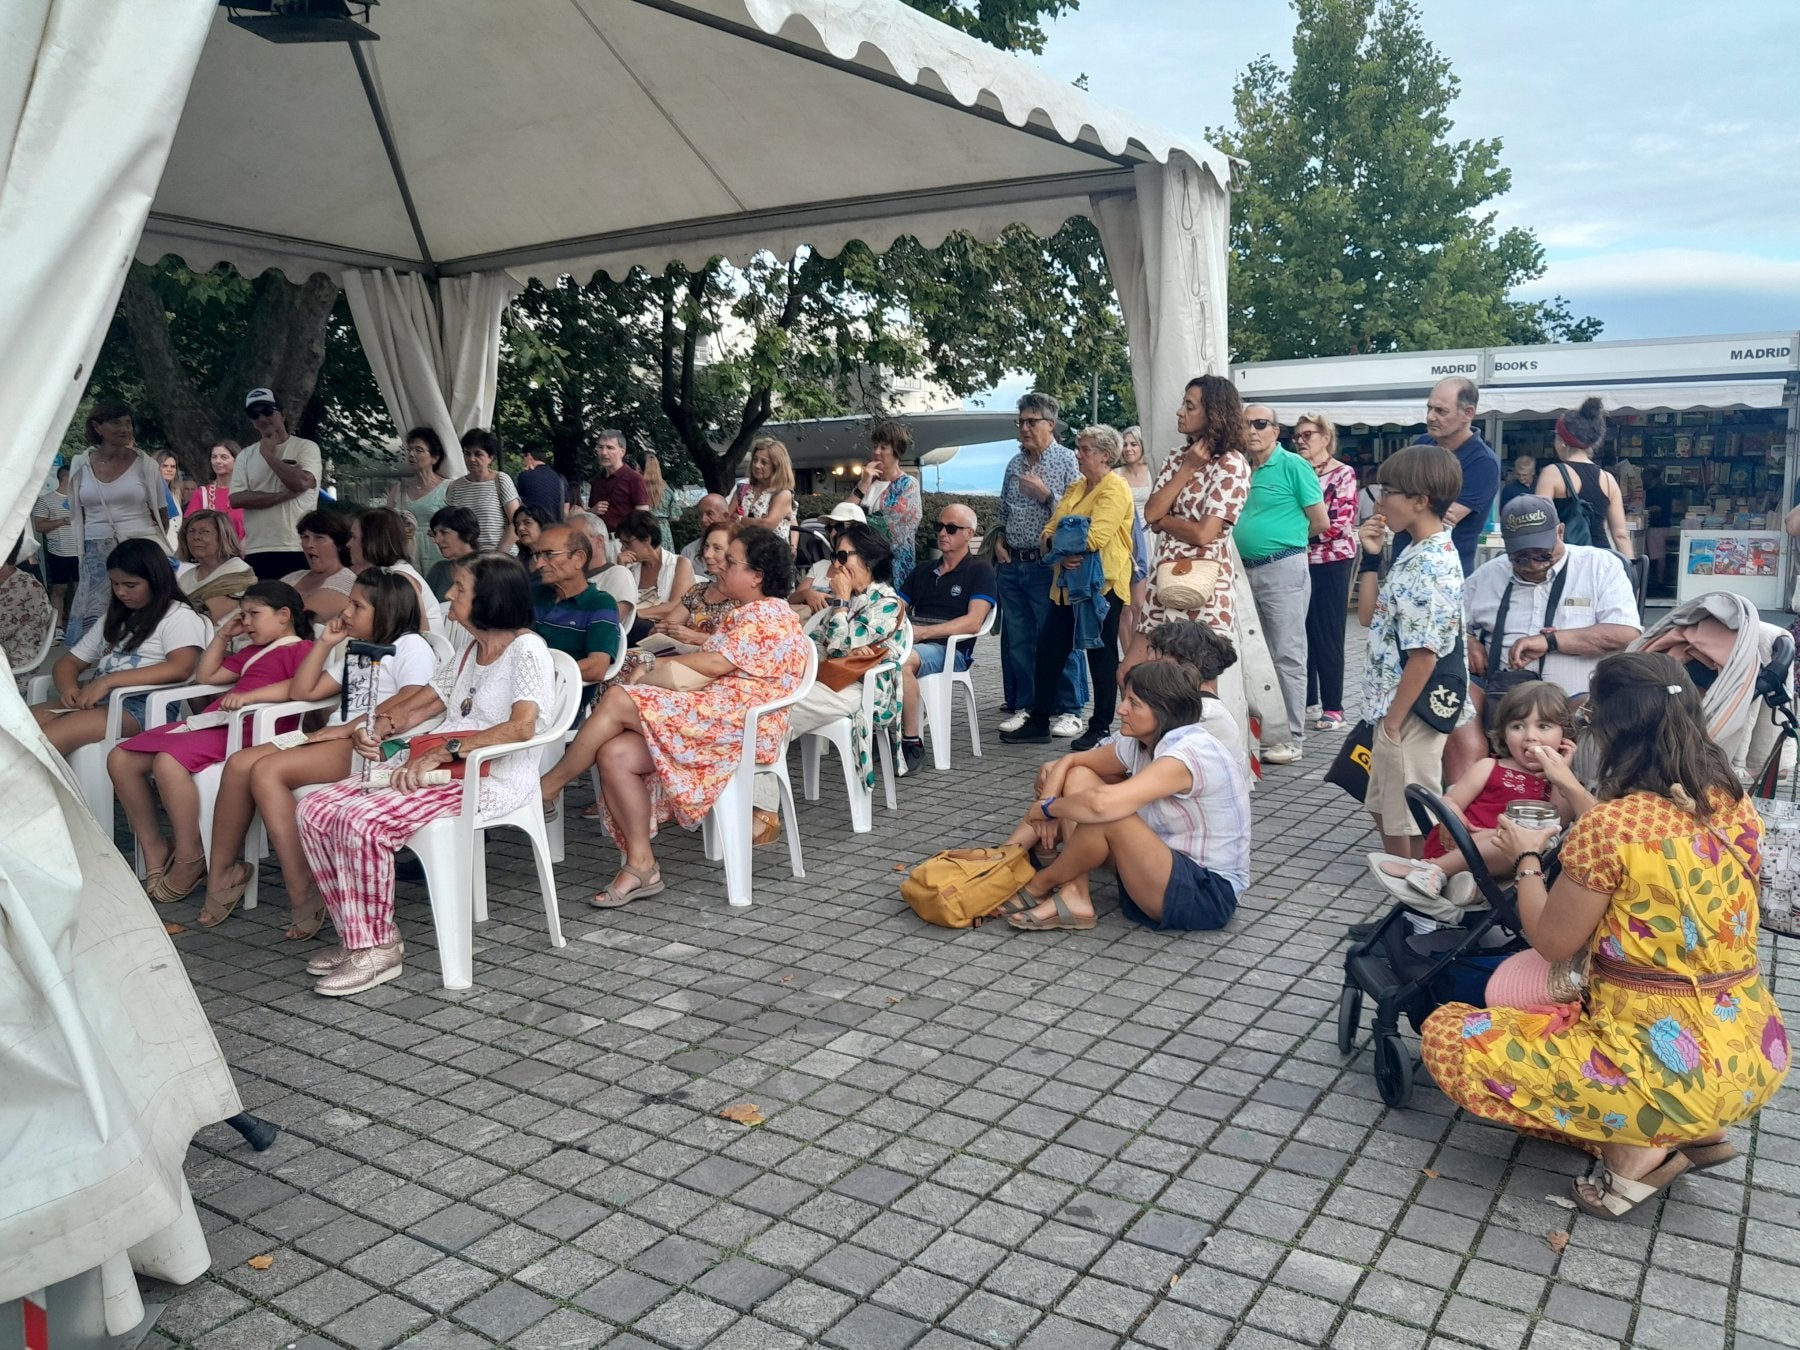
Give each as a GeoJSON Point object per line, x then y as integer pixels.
{"type": "Point", "coordinates": [811, 747]}
{"type": "Point", "coordinates": [731, 834]}
{"type": "Point", "coordinates": [862, 801]}
{"type": "Point", "coordinates": [792, 818]}
{"type": "Point", "coordinates": [540, 852]}
{"type": "Point", "coordinates": [968, 688]}
{"type": "Point", "coordinates": [478, 881]}
{"type": "Point", "coordinates": [884, 740]}
{"type": "Point", "coordinates": [937, 695]}
{"type": "Point", "coordinates": [447, 882]}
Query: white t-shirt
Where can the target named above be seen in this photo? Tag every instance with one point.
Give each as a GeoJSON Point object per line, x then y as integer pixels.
{"type": "Point", "coordinates": [180, 627]}
{"type": "Point", "coordinates": [432, 607]}
{"type": "Point", "coordinates": [1598, 590]}
{"type": "Point", "coordinates": [1210, 822]}
{"type": "Point", "coordinates": [1217, 719]}
{"type": "Point", "coordinates": [665, 578]}
{"type": "Point", "coordinates": [412, 663]}
{"type": "Point", "coordinates": [275, 529]}
{"type": "Point", "coordinates": [55, 505]}
{"type": "Point", "coordinates": [621, 585]}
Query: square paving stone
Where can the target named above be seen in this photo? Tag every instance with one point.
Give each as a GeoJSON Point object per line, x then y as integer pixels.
{"type": "Point", "coordinates": [505, 1310]}
{"type": "Point", "coordinates": [871, 1328]}
{"type": "Point", "coordinates": [446, 1284]}
{"type": "Point", "coordinates": [623, 1296]}
{"type": "Point", "coordinates": [740, 1283]}
{"type": "Point", "coordinates": [1058, 1333]}
{"type": "Point", "coordinates": [676, 1260]}
{"type": "Point", "coordinates": [383, 1320]}
{"type": "Point", "coordinates": [686, 1321]}
{"type": "Point", "coordinates": [324, 1297]}
{"type": "Point", "coordinates": [257, 1329]}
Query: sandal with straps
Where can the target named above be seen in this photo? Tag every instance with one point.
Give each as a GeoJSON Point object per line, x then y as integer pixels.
{"type": "Point", "coordinates": [613, 898]}
{"type": "Point", "coordinates": [309, 918]}
{"type": "Point", "coordinates": [1065, 920]}
{"type": "Point", "coordinates": [220, 903]}
{"type": "Point", "coordinates": [1614, 1196]}
{"type": "Point", "coordinates": [1019, 902]}
{"type": "Point", "coordinates": [165, 894]}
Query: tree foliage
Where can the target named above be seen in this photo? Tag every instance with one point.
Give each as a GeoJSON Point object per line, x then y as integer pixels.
{"type": "Point", "coordinates": [1012, 25]}
{"type": "Point", "coordinates": [1363, 226]}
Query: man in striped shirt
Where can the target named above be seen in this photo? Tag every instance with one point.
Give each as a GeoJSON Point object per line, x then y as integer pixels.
{"type": "Point", "coordinates": [573, 615]}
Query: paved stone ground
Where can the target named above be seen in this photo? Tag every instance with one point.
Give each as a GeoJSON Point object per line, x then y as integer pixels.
{"type": "Point", "coordinates": [981, 1138]}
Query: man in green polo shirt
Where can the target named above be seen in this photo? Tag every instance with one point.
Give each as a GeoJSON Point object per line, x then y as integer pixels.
{"type": "Point", "coordinates": [1285, 510]}
{"type": "Point", "coordinates": [574, 615]}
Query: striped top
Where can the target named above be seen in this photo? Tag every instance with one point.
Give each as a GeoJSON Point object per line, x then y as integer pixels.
{"type": "Point", "coordinates": [1210, 822]}
{"type": "Point", "coordinates": [585, 624]}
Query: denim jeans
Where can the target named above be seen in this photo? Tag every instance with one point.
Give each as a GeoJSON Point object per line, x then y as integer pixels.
{"type": "Point", "coordinates": [1024, 610]}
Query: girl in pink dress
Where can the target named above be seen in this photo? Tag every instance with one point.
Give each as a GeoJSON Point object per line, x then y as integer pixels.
{"type": "Point", "coordinates": [272, 616]}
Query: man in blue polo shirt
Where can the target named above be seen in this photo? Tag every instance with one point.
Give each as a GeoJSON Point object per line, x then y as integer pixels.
{"type": "Point", "coordinates": [950, 597]}
{"type": "Point", "coordinates": [1450, 422]}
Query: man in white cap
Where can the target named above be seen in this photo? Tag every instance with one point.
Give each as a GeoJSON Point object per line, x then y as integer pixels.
{"type": "Point", "coordinates": [276, 482]}
{"type": "Point", "coordinates": [811, 594]}
{"type": "Point", "coordinates": [1545, 610]}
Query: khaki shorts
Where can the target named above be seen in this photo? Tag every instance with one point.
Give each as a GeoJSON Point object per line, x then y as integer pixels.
{"type": "Point", "coordinates": [1417, 757]}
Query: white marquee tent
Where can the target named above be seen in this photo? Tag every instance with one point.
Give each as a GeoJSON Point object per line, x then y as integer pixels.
{"type": "Point", "coordinates": [475, 145]}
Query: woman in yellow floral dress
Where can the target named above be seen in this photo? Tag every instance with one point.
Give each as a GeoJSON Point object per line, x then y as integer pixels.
{"type": "Point", "coordinates": [1678, 1036]}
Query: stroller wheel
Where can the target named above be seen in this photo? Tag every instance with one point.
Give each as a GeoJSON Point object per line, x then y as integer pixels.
{"type": "Point", "coordinates": [1393, 1070]}
{"type": "Point", "coordinates": [1349, 1018]}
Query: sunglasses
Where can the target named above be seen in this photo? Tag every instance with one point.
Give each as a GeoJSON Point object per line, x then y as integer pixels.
{"type": "Point", "coordinates": [1534, 557]}
{"type": "Point", "coordinates": [944, 527]}
{"type": "Point", "coordinates": [1258, 423]}
{"type": "Point", "coordinates": [843, 557]}
{"type": "Point", "coordinates": [260, 411]}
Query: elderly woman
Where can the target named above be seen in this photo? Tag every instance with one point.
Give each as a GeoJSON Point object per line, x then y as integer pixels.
{"type": "Point", "coordinates": [767, 499]}
{"type": "Point", "coordinates": [668, 743]}
{"type": "Point", "coordinates": [378, 539]}
{"type": "Point", "coordinates": [421, 493]}
{"type": "Point", "coordinates": [26, 618]}
{"type": "Point", "coordinates": [1677, 1036]}
{"type": "Point", "coordinates": [1330, 559]}
{"type": "Point", "coordinates": [705, 606]}
{"type": "Point", "coordinates": [660, 576]}
{"type": "Point", "coordinates": [116, 492]}
{"type": "Point", "coordinates": [496, 693]}
{"type": "Point", "coordinates": [1093, 573]}
{"type": "Point", "coordinates": [1164, 802]}
{"type": "Point", "coordinates": [215, 574]}
{"type": "Point", "coordinates": [1194, 504]}
{"type": "Point", "coordinates": [486, 491]}
{"type": "Point", "coordinates": [889, 495]}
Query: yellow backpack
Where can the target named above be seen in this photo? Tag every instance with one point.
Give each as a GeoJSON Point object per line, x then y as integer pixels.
{"type": "Point", "coordinates": [960, 887]}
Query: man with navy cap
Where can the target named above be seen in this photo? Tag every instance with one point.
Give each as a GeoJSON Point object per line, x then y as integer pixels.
{"type": "Point", "coordinates": [276, 482]}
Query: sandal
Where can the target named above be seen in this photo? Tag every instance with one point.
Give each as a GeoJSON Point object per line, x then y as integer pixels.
{"type": "Point", "coordinates": [612, 897]}
{"type": "Point", "coordinates": [1615, 1196]}
{"type": "Point", "coordinates": [591, 811]}
{"type": "Point", "coordinates": [1065, 920]}
{"type": "Point", "coordinates": [1019, 902]}
{"type": "Point", "coordinates": [1398, 884]}
{"type": "Point", "coordinates": [164, 893]}
{"type": "Point", "coordinates": [765, 827]}
{"type": "Point", "coordinates": [220, 903]}
{"type": "Point", "coordinates": [1705, 1157]}
{"type": "Point", "coordinates": [1330, 721]}
{"type": "Point", "coordinates": [309, 918]}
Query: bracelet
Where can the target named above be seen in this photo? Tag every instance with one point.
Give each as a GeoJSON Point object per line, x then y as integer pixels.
{"type": "Point", "coordinates": [1533, 853]}
{"type": "Point", "coordinates": [1044, 806]}
{"type": "Point", "coordinates": [1520, 876]}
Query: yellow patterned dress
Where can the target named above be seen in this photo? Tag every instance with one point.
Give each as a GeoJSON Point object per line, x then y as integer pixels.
{"type": "Point", "coordinates": [1626, 1066]}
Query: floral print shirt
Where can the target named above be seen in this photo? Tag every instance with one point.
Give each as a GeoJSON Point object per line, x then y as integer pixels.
{"type": "Point", "coordinates": [1418, 606]}
{"type": "Point", "coordinates": [876, 618]}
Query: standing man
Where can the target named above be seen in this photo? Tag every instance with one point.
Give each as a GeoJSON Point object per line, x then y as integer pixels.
{"type": "Point", "coordinates": [1523, 480]}
{"type": "Point", "coordinates": [541, 485]}
{"type": "Point", "coordinates": [1450, 422]}
{"type": "Point", "coordinates": [1285, 510]}
{"type": "Point", "coordinates": [618, 489]}
{"type": "Point", "coordinates": [712, 509]}
{"type": "Point", "coordinates": [1035, 481]}
{"type": "Point", "coordinates": [951, 598]}
{"type": "Point", "coordinates": [275, 482]}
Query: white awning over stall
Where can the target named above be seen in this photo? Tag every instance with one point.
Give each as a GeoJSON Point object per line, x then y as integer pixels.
{"type": "Point", "coordinates": [1670, 396]}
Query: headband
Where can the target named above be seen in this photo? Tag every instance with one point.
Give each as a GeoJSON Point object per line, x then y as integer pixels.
{"type": "Point", "coordinates": [1567, 437]}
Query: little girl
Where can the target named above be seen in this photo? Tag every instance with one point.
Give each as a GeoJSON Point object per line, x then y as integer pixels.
{"type": "Point", "coordinates": [1534, 739]}
{"type": "Point", "coordinates": [272, 616]}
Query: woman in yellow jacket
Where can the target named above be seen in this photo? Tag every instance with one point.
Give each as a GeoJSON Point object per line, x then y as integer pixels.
{"type": "Point", "coordinates": [1104, 499]}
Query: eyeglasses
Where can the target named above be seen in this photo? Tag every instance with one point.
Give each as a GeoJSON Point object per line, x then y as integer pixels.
{"type": "Point", "coordinates": [1534, 557]}
{"type": "Point", "coordinates": [1258, 423]}
{"type": "Point", "coordinates": [552, 553]}
{"type": "Point", "coordinates": [1025, 422]}
{"type": "Point", "coordinates": [945, 527]}
{"type": "Point", "coordinates": [259, 411]}
{"type": "Point", "coordinates": [1308, 435]}
{"type": "Point", "coordinates": [843, 557]}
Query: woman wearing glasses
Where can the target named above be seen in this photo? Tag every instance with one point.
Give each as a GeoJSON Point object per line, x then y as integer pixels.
{"type": "Point", "coordinates": [1330, 559]}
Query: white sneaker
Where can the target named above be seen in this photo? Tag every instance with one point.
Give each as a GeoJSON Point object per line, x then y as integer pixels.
{"type": "Point", "coordinates": [1068, 725]}
{"type": "Point", "coordinates": [1016, 721]}
{"type": "Point", "coordinates": [1288, 753]}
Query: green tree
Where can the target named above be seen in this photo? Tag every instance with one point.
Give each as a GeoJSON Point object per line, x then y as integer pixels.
{"type": "Point", "coordinates": [1363, 227]}
{"type": "Point", "coordinates": [1013, 25]}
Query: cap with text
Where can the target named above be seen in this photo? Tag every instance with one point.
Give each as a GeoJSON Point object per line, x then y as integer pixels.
{"type": "Point", "coordinates": [1528, 523]}
{"type": "Point", "coordinates": [256, 396]}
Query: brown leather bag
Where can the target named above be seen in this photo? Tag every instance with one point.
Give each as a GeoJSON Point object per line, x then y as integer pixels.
{"type": "Point", "coordinates": [838, 673]}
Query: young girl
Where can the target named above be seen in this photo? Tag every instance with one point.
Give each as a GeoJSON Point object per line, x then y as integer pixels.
{"type": "Point", "coordinates": [149, 635]}
{"type": "Point", "coordinates": [1533, 740]}
{"type": "Point", "coordinates": [270, 614]}
{"type": "Point", "coordinates": [383, 607]}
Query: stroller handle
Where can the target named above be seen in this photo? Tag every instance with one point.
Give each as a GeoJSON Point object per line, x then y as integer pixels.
{"type": "Point", "coordinates": [1429, 809]}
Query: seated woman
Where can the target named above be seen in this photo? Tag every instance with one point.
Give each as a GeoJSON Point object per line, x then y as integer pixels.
{"type": "Point", "coordinates": [325, 582]}
{"type": "Point", "coordinates": [529, 523]}
{"type": "Point", "coordinates": [383, 608]}
{"type": "Point", "coordinates": [26, 618]}
{"type": "Point", "coordinates": [1209, 656]}
{"type": "Point", "coordinates": [661, 576]}
{"type": "Point", "coordinates": [378, 539]}
{"type": "Point", "coordinates": [864, 619]}
{"type": "Point", "coordinates": [272, 619]}
{"type": "Point", "coordinates": [705, 606]}
{"type": "Point", "coordinates": [455, 530]}
{"type": "Point", "coordinates": [1164, 801]}
{"type": "Point", "coordinates": [668, 744]}
{"type": "Point", "coordinates": [215, 574]}
{"type": "Point", "coordinates": [1678, 1036]}
{"type": "Point", "coordinates": [148, 635]}
{"type": "Point", "coordinates": [498, 692]}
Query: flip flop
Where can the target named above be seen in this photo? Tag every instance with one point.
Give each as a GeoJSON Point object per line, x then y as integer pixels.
{"type": "Point", "coordinates": [1618, 1196]}
{"type": "Point", "coordinates": [1065, 920]}
{"type": "Point", "coordinates": [610, 898]}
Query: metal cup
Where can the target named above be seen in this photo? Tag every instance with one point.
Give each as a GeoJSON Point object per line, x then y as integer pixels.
{"type": "Point", "coordinates": [1532, 815]}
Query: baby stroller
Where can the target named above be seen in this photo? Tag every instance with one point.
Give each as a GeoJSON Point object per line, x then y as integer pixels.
{"type": "Point", "coordinates": [1409, 972]}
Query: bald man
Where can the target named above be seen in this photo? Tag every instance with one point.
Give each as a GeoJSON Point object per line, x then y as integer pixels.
{"type": "Point", "coordinates": [947, 598]}
{"type": "Point", "coordinates": [712, 509]}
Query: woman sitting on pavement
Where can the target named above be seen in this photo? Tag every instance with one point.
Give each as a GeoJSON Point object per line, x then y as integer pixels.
{"type": "Point", "coordinates": [1678, 1036]}
{"type": "Point", "coordinates": [384, 609]}
{"type": "Point", "coordinates": [1164, 802]}
{"type": "Point", "coordinates": [215, 574]}
{"type": "Point", "coordinates": [667, 747]}
{"type": "Point", "coordinates": [496, 693]}
{"type": "Point", "coordinates": [325, 582]}
{"type": "Point", "coordinates": [705, 606]}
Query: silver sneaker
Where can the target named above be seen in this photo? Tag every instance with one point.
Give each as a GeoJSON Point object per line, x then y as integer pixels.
{"type": "Point", "coordinates": [1016, 721]}
{"type": "Point", "coordinates": [326, 962]}
{"type": "Point", "coordinates": [1067, 726]}
{"type": "Point", "coordinates": [361, 970]}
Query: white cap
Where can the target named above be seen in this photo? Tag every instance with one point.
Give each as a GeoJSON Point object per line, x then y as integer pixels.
{"type": "Point", "coordinates": [848, 511]}
{"type": "Point", "coordinates": [256, 396]}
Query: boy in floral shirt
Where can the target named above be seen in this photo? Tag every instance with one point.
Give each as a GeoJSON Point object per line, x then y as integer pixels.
{"type": "Point", "coordinates": [1414, 620]}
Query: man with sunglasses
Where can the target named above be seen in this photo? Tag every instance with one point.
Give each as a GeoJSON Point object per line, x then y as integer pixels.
{"type": "Point", "coordinates": [1545, 610]}
{"type": "Point", "coordinates": [276, 482]}
{"type": "Point", "coordinates": [952, 597]}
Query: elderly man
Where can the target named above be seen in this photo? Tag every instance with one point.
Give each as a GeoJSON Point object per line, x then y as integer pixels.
{"type": "Point", "coordinates": [712, 509]}
{"type": "Point", "coordinates": [1284, 512]}
{"type": "Point", "coordinates": [1035, 481]}
{"type": "Point", "coordinates": [608, 575]}
{"type": "Point", "coordinates": [952, 597]}
{"type": "Point", "coordinates": [1450, 422]}
{"type": "Point", "coordinates": [275, 481]}
{"type": "Point", "coordinates": [618, 489]}
{"type": "Point", "coordinates": [573, 615]}
{"type": "Point", "coordinates": [1547, 610]}
{"type": "Point", "coordinates": [1523, 481]}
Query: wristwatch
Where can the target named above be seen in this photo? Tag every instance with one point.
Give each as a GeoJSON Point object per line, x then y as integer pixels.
{"type": "Point", "coordinates": [454, 746]}
{"type": "Point", "coordinates": [1549, 639]}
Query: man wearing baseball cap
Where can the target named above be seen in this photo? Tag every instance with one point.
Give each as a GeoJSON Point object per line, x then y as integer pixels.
{"type": "Point", "coordinates": [1545, 611]}
{"type": "Point", "coordinates": [276, 482]}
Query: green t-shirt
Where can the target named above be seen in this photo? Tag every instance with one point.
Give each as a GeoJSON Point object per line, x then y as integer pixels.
{"type": "Point", "coordinates": [585, 624]}
{"type": "Point", "coordinates": [1274, 518]}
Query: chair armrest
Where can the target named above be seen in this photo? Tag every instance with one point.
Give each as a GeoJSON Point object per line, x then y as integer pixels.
{"type": "Point", "coordinates": [162, 702]}
{"type": "Point", "coordinates": [115, 706]}
{"type": "Point", "coordinates": [264, 716]}
{"type": "Point", "coordinates": [38, 688]}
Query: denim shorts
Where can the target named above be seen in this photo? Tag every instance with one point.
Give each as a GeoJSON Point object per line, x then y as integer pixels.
{"type": "Point", "coordinates": [1198, 899]}
{"type": "Point", "coordinates": [931, 657]}
{"type": "Point", "coordinates": [138, 706]}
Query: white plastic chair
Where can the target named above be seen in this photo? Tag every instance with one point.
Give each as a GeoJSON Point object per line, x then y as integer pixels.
{"type": "Point", "coordinates": [838, 734]}
{"type": "Point", "coordinates": [726, 829]}
{"type": "Point", "coordinates": [553, 753]}
{"type": "Point", "coordinates": [937, 697]}
{"type": "Point", "coordinates": [88, 764]}
{"type": "Point", "coordinates": [456, 870]}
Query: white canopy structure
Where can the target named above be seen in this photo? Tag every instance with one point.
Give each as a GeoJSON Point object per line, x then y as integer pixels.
{"type": "Point", "coordinates": [474, 145]}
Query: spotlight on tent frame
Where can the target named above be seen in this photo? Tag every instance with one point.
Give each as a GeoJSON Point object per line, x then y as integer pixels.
{"type": "Point", "coordinates": [304, 20]}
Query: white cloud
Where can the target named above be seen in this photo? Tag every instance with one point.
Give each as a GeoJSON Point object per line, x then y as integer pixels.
{"type": "Point", "coordinates": [1654, 270]}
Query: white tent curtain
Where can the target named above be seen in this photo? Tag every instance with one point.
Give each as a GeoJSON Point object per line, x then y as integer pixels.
{"type": "Point", "coordinates": [108, 1061]}
{"type": "Point", "coordinates": [435, 356]}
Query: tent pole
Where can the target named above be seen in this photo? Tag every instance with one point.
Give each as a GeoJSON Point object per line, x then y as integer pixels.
{"type": "Point", "coordinates": [393, 153]}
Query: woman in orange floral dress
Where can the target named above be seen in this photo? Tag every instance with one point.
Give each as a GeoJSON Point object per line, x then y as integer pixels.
{"type": "Point", "coordinates": [1678, 1036]}
{"type": "Point", "coordinates": [666, 746]}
